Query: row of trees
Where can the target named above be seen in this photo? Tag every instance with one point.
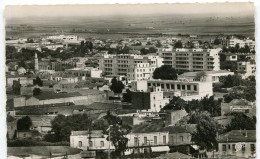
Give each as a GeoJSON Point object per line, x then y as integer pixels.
{"type": "Point", "coordinates": [205, 104]}
{"type": "Point", "coordinates": [237, 49]}
{"type": "Point", "coordinates": [241, 88]}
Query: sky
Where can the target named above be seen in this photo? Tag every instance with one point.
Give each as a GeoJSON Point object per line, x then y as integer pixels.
{"type": "Point", "coordinates": [226, 9]}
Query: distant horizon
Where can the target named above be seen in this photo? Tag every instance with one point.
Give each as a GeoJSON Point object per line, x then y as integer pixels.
{"type": "Point", "coordinates": [242, 9]}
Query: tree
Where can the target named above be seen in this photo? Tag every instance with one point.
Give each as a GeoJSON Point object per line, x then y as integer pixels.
{"type": "Point", "coordinates": [36, 91]}
{"type": "Point", "coordinates": [158, 44]}
{"type": "Point", "coordinates": [38, 81]}
{"type": "Point", "coordinates": [178, 44]}
{"type": "Point", "coordinates": [117, 86]}
{"type": "Point", "coordinates": [24, 124]}
{"type": "Point", "coordinates": [117, 133]}
{"type": "Point", "coordinates": [206, 130]}
{"type": "Point", "coordinates": [176, 103]}
{"type": "Point", "coordinates": [127, 96]}
{"type": "Point", "coordinates": [231, 81]}
{"type": "Point", "coordinates": [241, 121]}
{"type": "Point", "coordinates": [225, 49]}
{"type": "Point", "coordinates": [16, 87]}
{"type": "Point", "coordinates": [165, 72]}
{"type": "Point", "coordinates": [145, 51]}
{"type": "Point", "coordinates": [63, 125]}
{"type": "Point", "coordinates": [228, 65]}
{"type": "Point", "coordinates": [217, 42]}
{"type": "Point", "coordinates": [199, 75]}
{"type": "Point", "coordinates": [222, 57]}
{"type": "Point", "coordinates": [237, 46]}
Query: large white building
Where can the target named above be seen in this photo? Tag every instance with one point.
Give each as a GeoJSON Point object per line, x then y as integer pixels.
{"type": "Point", "coordinates": [242, 42]}
{"type": "Point", "coordinates": [184, 88]}
{"type": "Point", "coordinates": [185, 60]}
{"type": "Point", "coordinates": [134, 67]}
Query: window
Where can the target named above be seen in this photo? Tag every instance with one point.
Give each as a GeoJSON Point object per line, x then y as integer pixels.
{"type": "Point", "coordinates": [188, 87]}
{"type": "Point", "coordinates": [90, 144]}
{"type": "Point", "coordinates": [178, 86]}
{"type": "Point", "coordinates": [136, 141]}
{"type": "Point", "coordinates": [167, 86]}
{"type": "Point", "coordinates": [164, 139]}
{"type": "Point", "coordinates": [172, 139]}
{"type": "Point", "coordinates": [172, 86]}
{"type": "Point", "coordinates": [149, 84]}
{"type": "Point", "coordinates": [233, 147]}
{"type": "Point", "coordinates": [181, 138]}
{"type": "Point", "coordinates": [155, 140]}
{"type": "Point", "coordinates": [224, 147]}
{"type": "Point", "coordinates": [80, 143]}
{"type": "Point", "coordinates": [145, 140]}
{"type": "Point", "coordinates": [195, 88]}
{"type": "Point", "coordinates": [243, 147]}
{"type": "Point", "coordinates": [252, 147]}
{"type": "Point", "coordinates": [102, 143]}
{"type": "Point", "coordinates": [183, 87]}
{"type": "Point", "coordinates": [162, 86]}
{"type": "Point", "coordinates": [229, 146]}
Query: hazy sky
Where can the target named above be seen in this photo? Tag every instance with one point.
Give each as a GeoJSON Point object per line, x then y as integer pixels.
{"type": "Point", "coordinates": [233, 9]}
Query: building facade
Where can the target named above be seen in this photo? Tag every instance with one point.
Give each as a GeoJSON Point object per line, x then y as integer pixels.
{"type": "Point", "coordinates": [186, 60]}
{"type": "Point", "coordinates": [239, 143]}
{"type": "Point", "coordinates": [94, 140]}
{"type": "Point", "coordinates": [206, 75]}
{"type": "Point", "coordinates": [187, 90]}
{"type": "Point", "coordinates": [246, 68]}
{"type": "Point", "coordinates": [242, 42]}
{"type": "Point", "coordinates": [152, 101]}
{"type": "Point", "coordinates": [127, 65]}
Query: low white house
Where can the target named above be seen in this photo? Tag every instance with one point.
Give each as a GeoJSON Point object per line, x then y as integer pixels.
{"type": "Point", "coordinates": [94, 140]}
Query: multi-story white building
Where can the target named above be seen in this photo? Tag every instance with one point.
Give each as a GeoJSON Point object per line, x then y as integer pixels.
{"type": "Point", "coordinates": [145, 138]}
{"type": "Point", "coordinates": [186, 89]}
{"type": "Point", "coordinates": [185, 60]}
{"type": "Point", "coordinates": [241, 42]}
{"type": "Point", "coordinates": [246, 68]}
{"type": "Point", "coordinates": [134, 67]}
{"type": "Point", "coordinates": [141, 71]}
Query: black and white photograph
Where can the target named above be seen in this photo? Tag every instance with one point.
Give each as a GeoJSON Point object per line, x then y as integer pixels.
{"type": "Point", "coordinates": [130, 81]}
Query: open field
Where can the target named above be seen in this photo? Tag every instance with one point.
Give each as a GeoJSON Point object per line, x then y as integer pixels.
{"type": "Point", "coordinates": [117, 26]}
